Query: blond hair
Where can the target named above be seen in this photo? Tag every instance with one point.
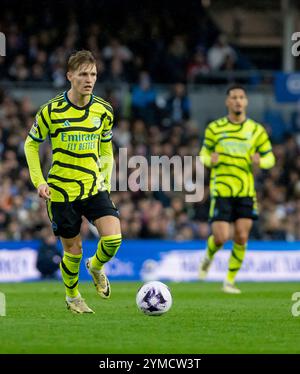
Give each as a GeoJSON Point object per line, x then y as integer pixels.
{"type": "Point", "coordinates": [79, 58]}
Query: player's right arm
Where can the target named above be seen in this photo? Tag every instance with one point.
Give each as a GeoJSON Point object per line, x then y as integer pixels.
{"type": "Point", "coordinates": [36, 136]}
{"type": "Point", "coordinates": [207, 154]}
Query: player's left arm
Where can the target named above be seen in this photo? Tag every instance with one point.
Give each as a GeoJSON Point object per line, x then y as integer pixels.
{"type": "Point", "coordinates": [106, 151]}
{"type": "Point", "coordinates": [264, 156]}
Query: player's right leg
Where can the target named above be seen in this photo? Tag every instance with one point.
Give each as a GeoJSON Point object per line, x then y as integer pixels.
{"type": "Point", "coordinates": [69, 267]}
{"type": "Point", "coordinates": [220, 215]}
{"type": "Point", "coordinates": [66, 221]}
{"type": "Point", "coordinates": [220, 235]}
{"type": "Point", "coordinates": [242, 227]}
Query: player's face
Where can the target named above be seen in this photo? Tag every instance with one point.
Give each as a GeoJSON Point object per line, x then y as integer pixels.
{"type": "Point", "coordinates": [83, 79]}
{"type": "Point", "coordinates": [237, 101]}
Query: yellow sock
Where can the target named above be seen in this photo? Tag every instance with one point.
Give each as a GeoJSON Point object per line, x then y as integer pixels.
{"type": "Point", "coordinates": [69, 267]}
{"type": "Point", "coordinates": [107, 248]}
{"type": "Point", "coordinates": [235, 261]}
{"type": "Point", "coordinates": [212, 248]}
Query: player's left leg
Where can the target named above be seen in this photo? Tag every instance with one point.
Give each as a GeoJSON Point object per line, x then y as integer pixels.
{"type": "Point", "coordinates": [102, 212]}
{"type": "Point", "coordinates": [220, 235]}
{"type": "Point", "coordinates": [110, 232]}
{"type": "Point", "coordinates": [242, 227]}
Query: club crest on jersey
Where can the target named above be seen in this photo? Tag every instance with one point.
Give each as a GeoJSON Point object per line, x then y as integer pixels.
{"type": "Point", "coordinates": [96, 121]}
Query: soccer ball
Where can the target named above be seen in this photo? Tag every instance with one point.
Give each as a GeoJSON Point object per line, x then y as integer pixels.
{"type": "Point", "coordinates": [154, 298]}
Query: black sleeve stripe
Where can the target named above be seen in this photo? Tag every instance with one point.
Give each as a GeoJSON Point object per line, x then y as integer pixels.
{"type": "Point", "coordinates": [106, 140]}
{"type": "Point", "coordinates": [44, 121]}
{"type": "Point", "coordinates": [208, 128]}
{"type": "Point", "coordinates": [99, 99]}
{"type": "Point", "coordinates": [63, 109]}
{"type": "Point", "coordinates": [110, 119]}
{"type": "Point", "coordinates": [106, 106]}
{"type": "Point", "coordinates": [221, 124]}
{"type": "Point", "coordinates": [49, 110]}
{"type": "Point", "coordinates": [208, 147]}
{"type": "Point", "coordinates": [263, 143]}
{"type": "Point", "coordinates": [255, 129]}
{"type": "Point", "coordinates": [39, 131]}
{"type": "Point", "coordinates": [55, 99]}
{"type": "Point", "coordinates": [209, 139]}
{"type": "Point", "coordinates": [36, 139]}
{"type": "Point", "coordinates": [266, 152]}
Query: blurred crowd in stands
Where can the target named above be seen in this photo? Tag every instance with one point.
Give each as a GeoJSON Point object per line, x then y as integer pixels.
{"type": "Point", "coordinates": [131, 47]}
{"type": "Point", "coordinates": [159, 214]}
{"type": "Point", "coordinates": [170, 48]}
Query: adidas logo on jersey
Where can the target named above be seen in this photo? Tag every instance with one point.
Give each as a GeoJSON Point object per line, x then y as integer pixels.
{"type": "Point", "coordinates": [66, 123]}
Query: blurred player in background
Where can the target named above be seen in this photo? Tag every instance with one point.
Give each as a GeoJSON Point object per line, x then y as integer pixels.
{"type": "Point", "coordinates": [232, 146]}
{"type": "Point", "coordinates": [79, 126]}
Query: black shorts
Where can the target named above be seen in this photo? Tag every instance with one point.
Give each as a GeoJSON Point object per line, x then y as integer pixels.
{"type": "Point", "coordinates": [232, 208]}
{"type": "Point", "coordinates": [66, 218]}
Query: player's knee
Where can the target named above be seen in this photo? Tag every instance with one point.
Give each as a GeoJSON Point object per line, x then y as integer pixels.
{"type": "Point", "coordinates": [241, 238]}
{"type": "Point", "coordinates": [108, 225]}
{"type": "Point", "coordinates": [74, 247]}
{"type": "Point", "coordinates": [220, 239]}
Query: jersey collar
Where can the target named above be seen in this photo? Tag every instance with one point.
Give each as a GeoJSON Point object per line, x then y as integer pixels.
{"type": "Point", "coordinates": [237, 123]}
{"type": "Point", "coordinates": [79, 107]}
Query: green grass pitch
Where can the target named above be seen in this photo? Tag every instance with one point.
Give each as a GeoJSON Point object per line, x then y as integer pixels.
{"type": "Point", "coordinates": [201, 320]}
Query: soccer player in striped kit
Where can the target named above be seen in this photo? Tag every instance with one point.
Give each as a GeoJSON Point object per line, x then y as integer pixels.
{"type": "Point", "coordinates": [79, 126]}
{"type": "Point", "coordinates": [232, 146]}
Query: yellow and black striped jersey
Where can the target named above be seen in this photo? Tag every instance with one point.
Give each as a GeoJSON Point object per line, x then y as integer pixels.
{"type": "Point", "coordinates": [75, 134]}
{"type": "Point", "coordinates": [235, 144]}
